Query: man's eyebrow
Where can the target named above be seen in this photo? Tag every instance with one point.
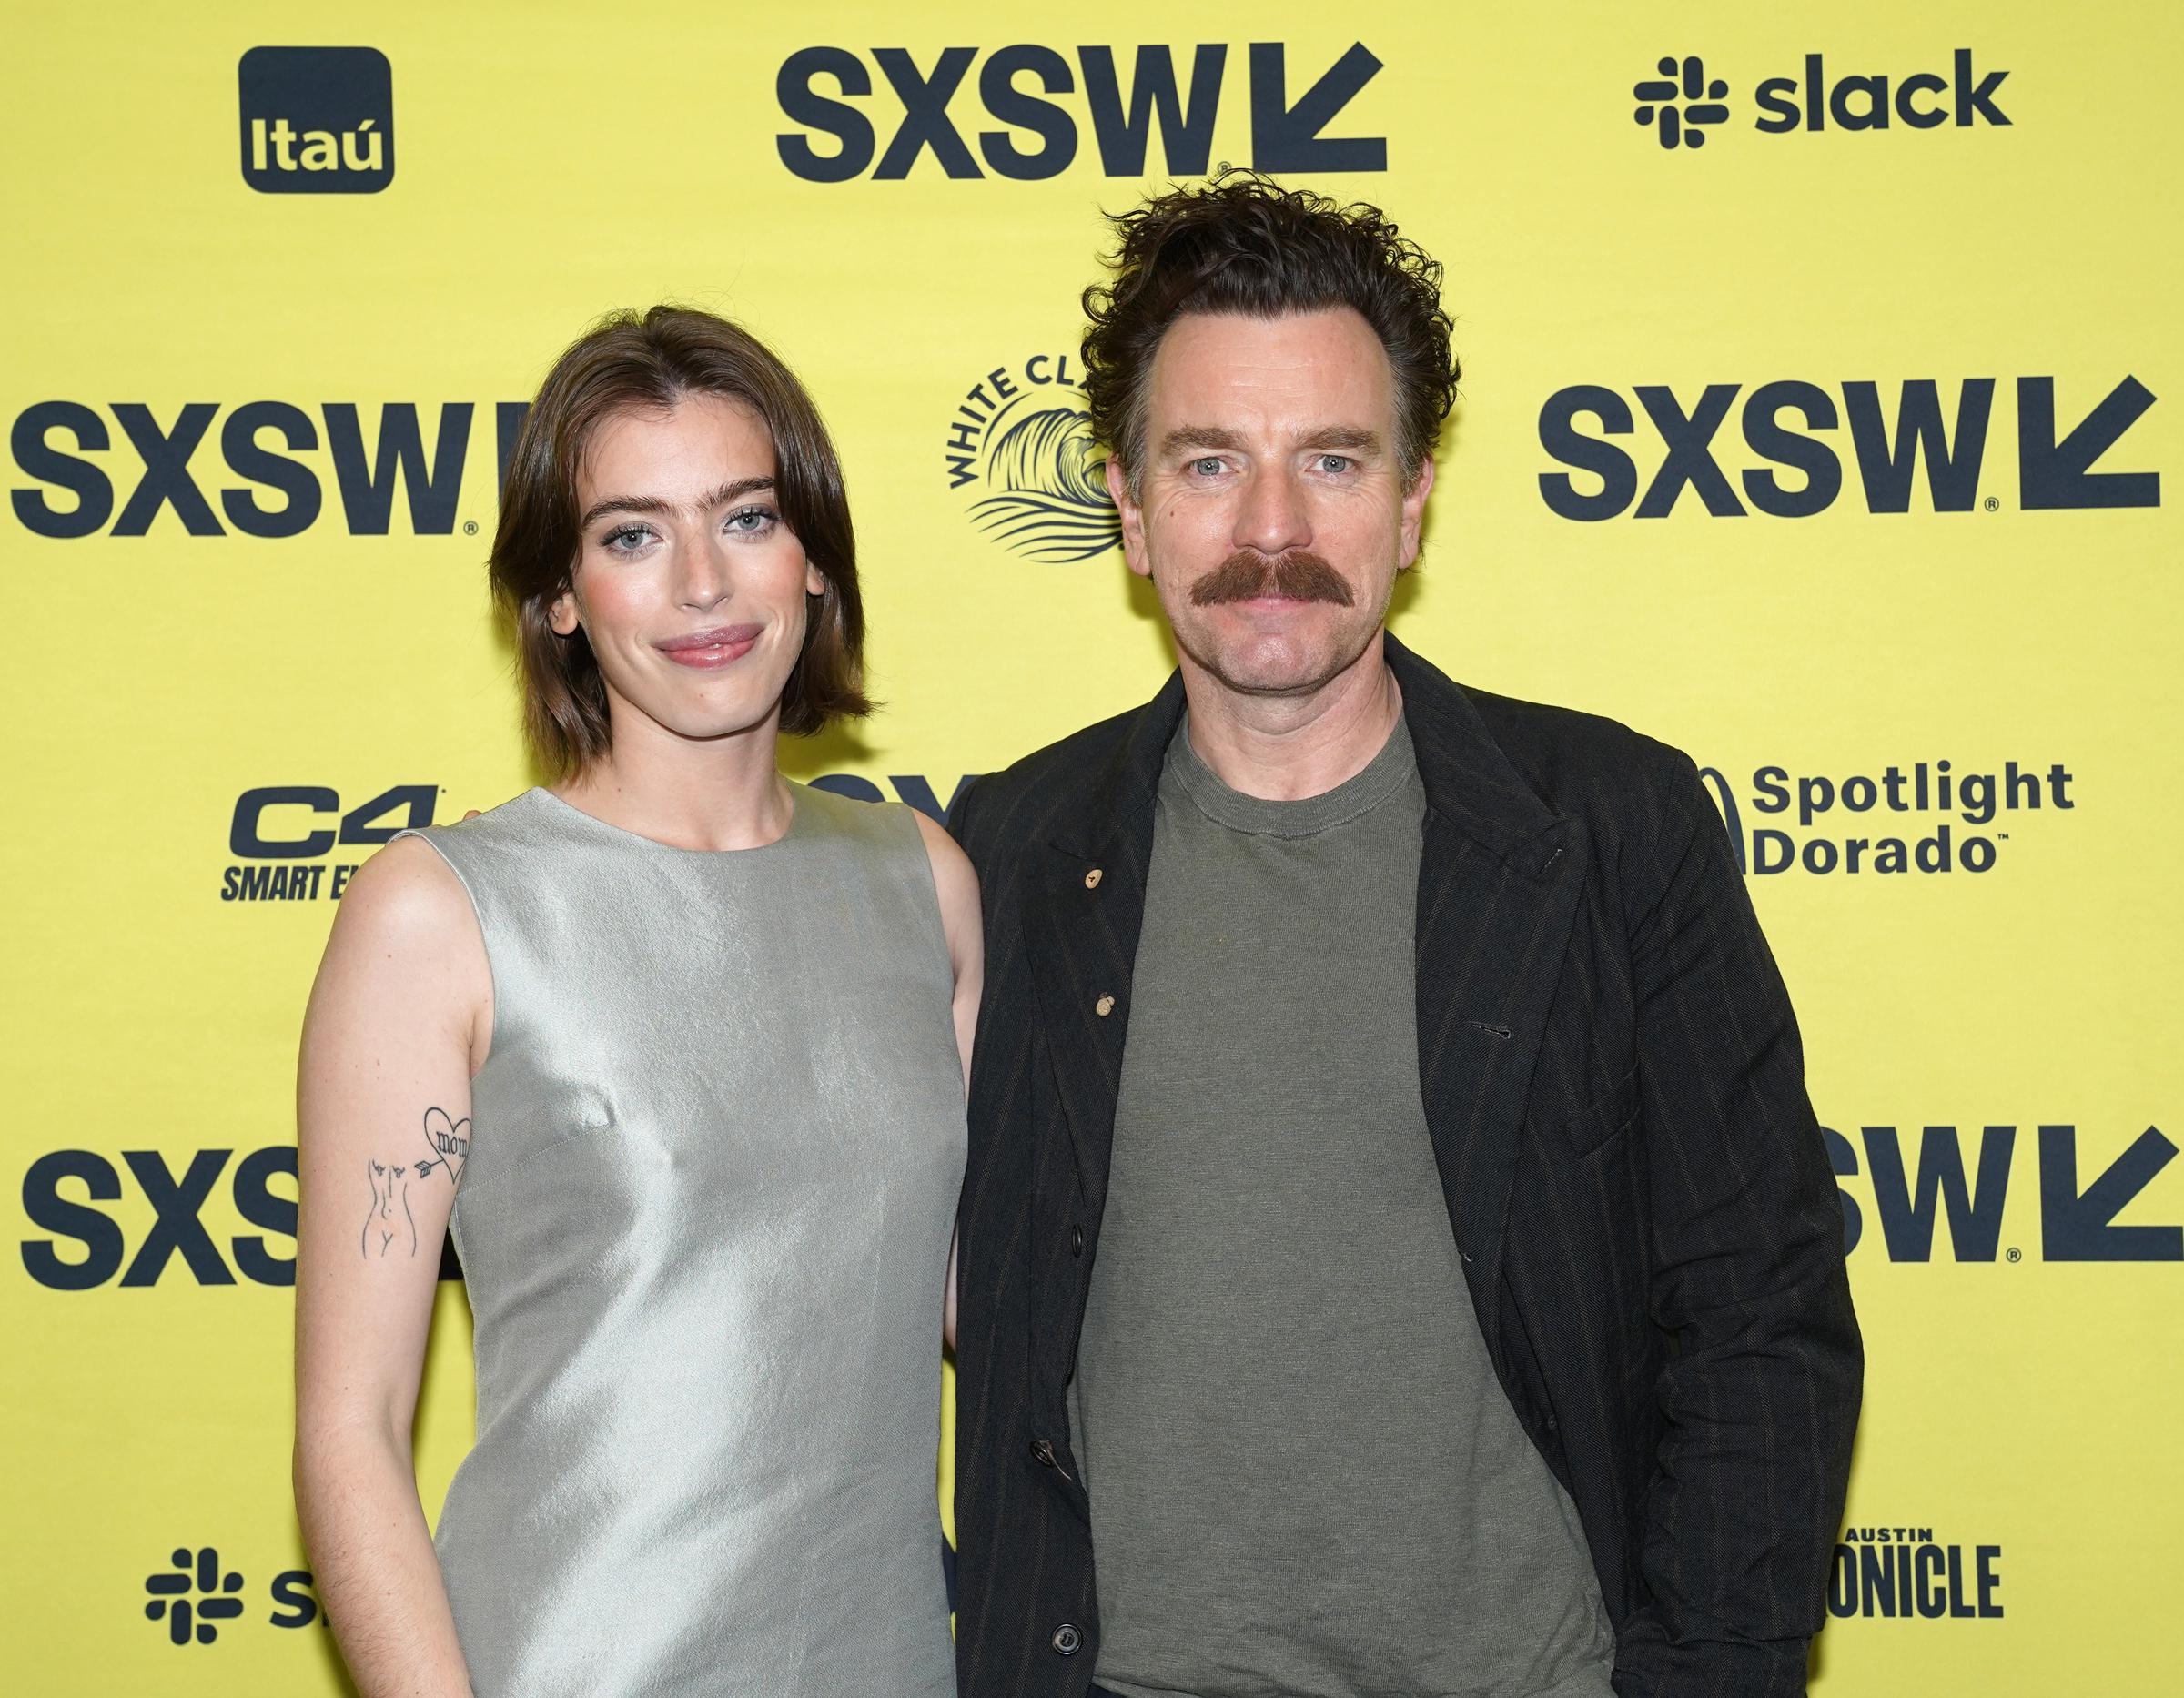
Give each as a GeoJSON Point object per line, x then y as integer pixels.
{"type": "Point", "coordinates": [1213, 436]}
{"type": "Point", "coordinates": [1342, 436]}
{"type": "Point", "coordinates": [734, 490]}
{"type": "Point", "coordinates": [1199, 436]}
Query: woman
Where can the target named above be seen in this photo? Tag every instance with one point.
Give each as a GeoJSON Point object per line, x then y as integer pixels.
{"type": "Point", "coordinates": [676, 1049]}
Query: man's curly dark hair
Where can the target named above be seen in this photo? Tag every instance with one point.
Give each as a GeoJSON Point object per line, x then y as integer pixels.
{"type": "Point", "coordinates": [1241, 243]}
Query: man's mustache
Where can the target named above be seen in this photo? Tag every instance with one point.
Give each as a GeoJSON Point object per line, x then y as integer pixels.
{"type": "Point", "coordinates": [1299, 574]}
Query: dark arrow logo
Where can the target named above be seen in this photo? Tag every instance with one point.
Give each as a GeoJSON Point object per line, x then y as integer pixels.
{"type": "Point", "coordinates": [2052, 474]}
{"type": "Point", "coordinates": [2079, 1226]}
{"type": "Point", "coordinates": [1916, 1189]}
{"type": "Point", "coordinates": [1288, 138]}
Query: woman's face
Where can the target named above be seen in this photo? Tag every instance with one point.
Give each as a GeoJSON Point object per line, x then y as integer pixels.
{"type": "Point", "coordinates": [688, 585]}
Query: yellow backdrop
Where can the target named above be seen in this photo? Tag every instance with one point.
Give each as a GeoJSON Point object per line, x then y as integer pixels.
{"type": "Point", "coordinates": [1835, 446]}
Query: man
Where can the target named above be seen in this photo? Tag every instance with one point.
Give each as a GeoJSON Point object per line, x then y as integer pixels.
{"type": "Point", "coordinates": [1323, 993]}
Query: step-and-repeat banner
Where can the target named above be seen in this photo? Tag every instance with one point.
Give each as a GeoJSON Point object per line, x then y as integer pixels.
{"type": "Point", "coordinates": [1820, 416]}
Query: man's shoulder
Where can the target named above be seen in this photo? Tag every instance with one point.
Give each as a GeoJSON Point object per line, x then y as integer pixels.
{"type": "Point", "coordinates": [1577, 762]}
{"type": "Point", "coordinates": [1020, 802]}
{"type": "Point", "coordinates": [1579, 766]}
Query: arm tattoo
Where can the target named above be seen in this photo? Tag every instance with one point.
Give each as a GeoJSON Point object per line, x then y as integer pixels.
{"type": "Point", "coordinates": [449, 1142]}
{"type": "Point", "coordinates": [391, 1221]}
{"type": "Point", "coordinates": [383, 1226]}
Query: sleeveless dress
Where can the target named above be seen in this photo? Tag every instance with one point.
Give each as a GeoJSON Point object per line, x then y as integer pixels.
{"type": "Point", "coordinates": [704, 1229]}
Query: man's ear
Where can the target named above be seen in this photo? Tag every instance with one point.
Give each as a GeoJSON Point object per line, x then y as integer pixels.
{"type": "Point", "coordinates": [1133, 517]}
{"type": "Point", "coordinates": [1414, 513]}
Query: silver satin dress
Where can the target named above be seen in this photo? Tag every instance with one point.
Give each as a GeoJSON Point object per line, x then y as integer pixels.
{"type": "Point", "coordinates": [714, 1169]}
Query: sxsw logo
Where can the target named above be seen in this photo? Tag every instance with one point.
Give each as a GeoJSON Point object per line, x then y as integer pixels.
{"type": "Point", "coordinates": [1681, 102]}
{"type": "Point", "coordinates": [91, 1213]}
{"type": "Point", "coordinates": [912, 789]}
{"type": "Point", "coordinates": [1791, 425]}
{"type": "Point", "coordinates": [317, 120]}
{"type": "Point", "coordinates": [281, 462]}
{"type": "Point", "coordinates": [1039, 104]}
{"type": "Point", "coordinates": [1909, 1197]}
{"type": "Point", "coordinates": [61, 1189]}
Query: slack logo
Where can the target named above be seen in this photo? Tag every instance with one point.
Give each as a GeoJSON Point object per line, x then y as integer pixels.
{"type": "Point", "coordinates": [1658, 107]}
{"type": "Point", "coordinates": [198, 1591]}
{"type": "Point", "coordinates": [1683, 97]}
{"type": "Point", "coordinates": [317, 120]}
{"type": "Point", "coordinates": [215, 1601]}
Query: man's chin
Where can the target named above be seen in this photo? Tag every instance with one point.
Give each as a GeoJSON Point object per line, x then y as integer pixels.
{"type": "Point", "coordinates": [1258, 672]}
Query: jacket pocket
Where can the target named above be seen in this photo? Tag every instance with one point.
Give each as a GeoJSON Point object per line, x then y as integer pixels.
{"type": "Point", "coordinates": [1603, 1119]}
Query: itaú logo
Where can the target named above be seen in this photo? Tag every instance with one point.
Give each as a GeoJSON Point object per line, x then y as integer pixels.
{"type": "Point", "coordinates": [317, 120]}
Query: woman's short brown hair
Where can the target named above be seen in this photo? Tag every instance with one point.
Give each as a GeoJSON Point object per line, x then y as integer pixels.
{"type": "Point", "coordinates": [629, 362]}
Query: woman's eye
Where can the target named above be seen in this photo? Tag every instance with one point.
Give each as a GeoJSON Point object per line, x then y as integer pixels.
{"type": "Point", "coordinates": [626, 540]}
{"type": "Point", "coordinates": [753, 521]}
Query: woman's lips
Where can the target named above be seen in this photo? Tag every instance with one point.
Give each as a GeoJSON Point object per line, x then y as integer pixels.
{"type": "Point", "coordinates": [722, 645]}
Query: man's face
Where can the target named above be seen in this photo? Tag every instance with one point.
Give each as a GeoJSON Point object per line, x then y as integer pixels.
{"type": "Point", "coordinates": [1271, 514]}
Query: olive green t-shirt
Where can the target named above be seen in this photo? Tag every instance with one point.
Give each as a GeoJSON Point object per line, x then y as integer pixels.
{"type": "Point", "coordinates": [1305, 1478]}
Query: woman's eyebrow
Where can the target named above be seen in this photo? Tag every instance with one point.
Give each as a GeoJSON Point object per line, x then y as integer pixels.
{"type": "Point", "coordinates": [733, 490]}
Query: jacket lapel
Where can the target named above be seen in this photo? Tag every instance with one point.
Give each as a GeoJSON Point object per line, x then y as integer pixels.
{"type": "Point", "coordinates": [1083, 936]}
{"type": "Point", "coordinates": [1498, 890]}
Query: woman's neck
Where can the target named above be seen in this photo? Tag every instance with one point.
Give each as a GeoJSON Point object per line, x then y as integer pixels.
{"type": "Point", "coordinates": [725, 793]}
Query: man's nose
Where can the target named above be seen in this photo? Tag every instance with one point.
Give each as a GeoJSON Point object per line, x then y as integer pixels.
{"type": "Point", "coordinates": [1272, 519]}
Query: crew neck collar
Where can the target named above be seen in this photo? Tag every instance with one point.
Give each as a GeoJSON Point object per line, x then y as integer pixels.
{"type": "Point", "coordinates": [1380, 778]}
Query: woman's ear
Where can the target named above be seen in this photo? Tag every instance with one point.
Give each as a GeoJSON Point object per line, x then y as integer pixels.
{"type": "Point", "coordinates": [561, 615]}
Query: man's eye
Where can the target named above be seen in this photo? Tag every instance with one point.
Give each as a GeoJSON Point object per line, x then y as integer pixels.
{"type": "Point", "coordinates": [1336, 463]}
{"type": "Point", "coordinates": [1206, 468]}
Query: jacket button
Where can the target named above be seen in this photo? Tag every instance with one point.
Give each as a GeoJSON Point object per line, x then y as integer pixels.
{"type": "Point", "coordinates": [1092, 879]}
{"type": "Point", "coordinates": [1043, 1453]}
{"type": "Point", "coordinates": [1105, 1006]}
{"type": "Point", "coordinates": [1077, 1241]}
{"type": "Point", "coordinates": [1068, 1640]}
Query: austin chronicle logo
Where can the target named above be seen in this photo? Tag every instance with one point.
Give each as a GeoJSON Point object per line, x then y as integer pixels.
{"type": "Point", "coordinates": [215, 1599]}
{"type": "Point", "coordinates": [1686, 80]}
{"type": "Point", "coordinates": [1019, 447]}
{"type": "Point", "coordinates": [317, 120]}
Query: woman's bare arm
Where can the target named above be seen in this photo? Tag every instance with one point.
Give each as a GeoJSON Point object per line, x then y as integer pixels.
{"type": "Point", "coordinates": [957, 885]}
{"type": "Point", "coordinates": [399, 1021]}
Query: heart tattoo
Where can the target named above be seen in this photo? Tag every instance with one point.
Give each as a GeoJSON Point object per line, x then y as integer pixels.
{"type": "Point", "coordinates": [450, 1141]}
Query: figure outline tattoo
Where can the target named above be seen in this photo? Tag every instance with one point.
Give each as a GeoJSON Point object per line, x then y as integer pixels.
{"type": "Point", "coordinates": [448, 1140]}
{"type": "Point", "coordinates": [389, 1186]}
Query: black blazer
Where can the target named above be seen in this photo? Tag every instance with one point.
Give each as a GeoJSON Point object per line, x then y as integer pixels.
{"type": "Point", "coordinates": [1613, 1080]}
